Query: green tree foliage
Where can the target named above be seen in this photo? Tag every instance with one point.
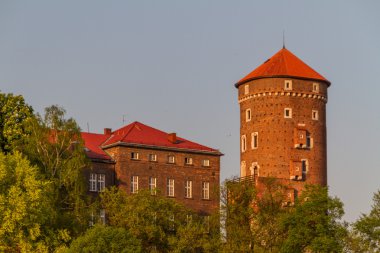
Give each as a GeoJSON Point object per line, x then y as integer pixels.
{"type": "Point", "coordinates": [25, 207]}
{"type": "Point", "coordinates": [56, 148]}
{"type": "Point", "coordinates": [105, 239]}
{"type": "Point", "coordinates": [314, 225]}
{"type": "Point", "coordinates": [365, 236]}
{"type": "Point", "coordinates": [161, 224]}
{"type": "Point", "coordinates": [15, 115]}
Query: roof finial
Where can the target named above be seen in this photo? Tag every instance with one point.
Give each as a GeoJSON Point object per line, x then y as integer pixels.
{"type": "Point", "coordinates": [283, 38]}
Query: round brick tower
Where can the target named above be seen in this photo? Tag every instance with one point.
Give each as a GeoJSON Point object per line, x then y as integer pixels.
{"type": "Point", "coordinates": [283, 122]}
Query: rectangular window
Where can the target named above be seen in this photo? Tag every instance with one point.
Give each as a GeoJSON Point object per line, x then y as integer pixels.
{"type": "Point", "coordinates": [171, 159]}
{"type": "Point", "coordinates": [243, 143]}
{"type": "Point", "coordinates": [246, 89]}
{"type": "Point", "coordinates": [205, 190]}
{"type": "Point", "coordinates": [93, 184]}
{"type": "Point", "coordinates": [134, 184]}
{"type": "Point", "coordinates": [288, 113]}
{"type": "Point", "coordinates": [152, 157]}
{"type": "Point", "coordinates": [97, 182]}
{"type": "Point", "coordinates": [188, 160]}
{"type": "Point", "coordinates": [101, 182]}
{"type": "Point", "coordinates": [189, 219]}
{"type": "Point", "coordinates": [189, 189]}
{"type": "Point", "coordinates": [153, 185]}
{"type": "Point", "coordinates": [315, 87]}
{"type": "Point", "coordinates": [170, 187]}
{"type": "Point", "coordinates": [102, 216]}
{"type": "Point", "coordinates": [314, 114]}
{"type": "Point", "coordinates": [304, 167]}
{"type": "Point", "coordinates": [171, 222]}
{"type": "Point", "coordinates": [248, 115]}
{"type": "Point", "coordinates": [134, 155]}
{"type": "Point", "coordinates": [255, 140]}
{"type": "Point", "coordinates": [288, 85]}
{"type": "Point", "coordinates": [206, 163]}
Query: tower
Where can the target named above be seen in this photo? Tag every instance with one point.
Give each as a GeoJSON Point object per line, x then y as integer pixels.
{"type": "Point", "coordinates": [283, 122]}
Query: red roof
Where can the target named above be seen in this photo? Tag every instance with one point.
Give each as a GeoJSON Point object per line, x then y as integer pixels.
{"type": "Point", "coordinates": [283, 64]}
{"type": "Point", "coordinates": [93, 144]}
{"type": "Point", "coordinates": [138, 134]}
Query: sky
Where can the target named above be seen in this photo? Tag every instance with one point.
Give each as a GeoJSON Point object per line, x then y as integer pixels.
{"type": "Point", "coordinates": [173, 65]}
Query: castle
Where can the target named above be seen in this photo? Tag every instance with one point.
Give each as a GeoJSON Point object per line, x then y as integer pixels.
{"type": "Point", "coordinates": [283, 122]}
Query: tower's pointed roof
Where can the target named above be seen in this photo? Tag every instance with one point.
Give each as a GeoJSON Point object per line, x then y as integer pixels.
{"type": "Point", "coordinates": [283, 64]}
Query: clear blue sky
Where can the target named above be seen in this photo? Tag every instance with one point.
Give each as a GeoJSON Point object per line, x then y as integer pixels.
{"type": "Point", "coordinates": [173, 64]}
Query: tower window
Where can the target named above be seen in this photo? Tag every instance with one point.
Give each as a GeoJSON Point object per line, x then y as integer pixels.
{"type": "Point", "coordinates": [288, 113]}
{"type": "Point", "coordinates": [248, 115]}
{"type": "Point", "coordinates": [246, 89]}
{"type": "Point", "coordinates": [243, 143]}
{"type": "Point", "coordinates": [314, 114]}
{"type": "Point", "coordinates": [288, 85]}
{"type": "Point", "coordinates": [255, 140]}
{"type": "Point", "coordinates": [315, 87]}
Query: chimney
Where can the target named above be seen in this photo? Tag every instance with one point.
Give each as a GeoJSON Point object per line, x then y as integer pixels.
{"type": "Point", "coordinates": [172, 137]}
{"type": "Point", "coordinates": [107, 131]}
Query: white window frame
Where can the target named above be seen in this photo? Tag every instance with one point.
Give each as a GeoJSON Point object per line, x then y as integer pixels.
{"type": "Point", "coordinates": [97, 182]}
{"type": "Point", "coordinates": [170, 187]}
{"type": "Point", "coordinates": [290, 113]}
{"type": "Point", "coordinates": [93, 182]}
{"type": "Point", "coordinates": [255, 140]}
{"type": "Point", "coordinates": [188, 189]}
{"type": "Point", "coordinates": [101, 182]}
{"type": "Point", "coordinates": [188, 161]}
{"type": "Point", "coordinates": [134, 155]}
{"type": "Point", "coordinates": [152, 157]}
{"type": "Point", "coordinates": [315, 87]}
{"type": "Point", "coordinates": [171, 159]}
{"type": "Point", "coordinates": [246, 89]}
{"type": "Point", "coordinates": [305, 167]}
{"type": "Point", "coordinates": [134, 184]}
{"type": "Point", "coordinates": [248, 115]}
{"type": "Point", "coordinates": [288, 85]}
{"type": "Point", "coordinates": [314, 114]}
{"type": "Point", "coordinates": [102, 216]}
{"type": "Point", "coordinates": [205, 190]}
{"type": "Point", "coordinates": [243, 143]}
{"type": "Point", "coordinates": [153, 185]}
{"type": "Point", "coordinates": [206, 163]}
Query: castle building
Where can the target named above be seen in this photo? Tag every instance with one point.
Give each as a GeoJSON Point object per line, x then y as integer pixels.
{"type": "Point", "coordinates": [283, 122]}
{"type": "Point", "coordinates": [138, 156]}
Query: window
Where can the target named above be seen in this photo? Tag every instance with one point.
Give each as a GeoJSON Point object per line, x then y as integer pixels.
{"type": "Point", "coordinates": [189, 189]}
{"type": "Point", "coordinates": [170, 187]}
{"type": "Point", "coordinates": [288, 113]}
{"type": "Point", "coordinates": [243, 143]}
{"type": "Point", "coordinates": [255, 140]}
{"type": "Point", "coordinates": [102, 216]}
{"type": "Point", "coordinates": [153, 185]}
{"type": "Point", "coordinates": [189, 219]}
{"type": "Point", "coordinates": [188, 160]}
{"type": "Point", "coordinates": [134, 184]}
{"type": "Point", "coordinates": [305, 167]}
{"type": "Point", "coordinates": [246, 89]}
{"type": "Point", "coordinates": [97, 217]}
{"type": "Point", "coordinates": [205, 190]}
{"type": "Point", "coordinates": [171, 222]}
{"type": "Point", "coordinates": [288, 85]}
{"type": "Point", "coordinates": [315, 87]}
{"type": "Point", "coordinates": [171, 159]}
{"type": "Point", "coordinates": [134, 155]}
{"type": "Point", "coordinates": [248, 115]}
{"type": "Point", "coordinates": [206, 163]}
{"type": "Point", "coordinates": [97, 182]}
{"type": "Point", "coordinates": [152, 157]}
{"type": "Point", "coordinates": [314, 114]}
{"type": "Point", "coordinates": [309, 141]}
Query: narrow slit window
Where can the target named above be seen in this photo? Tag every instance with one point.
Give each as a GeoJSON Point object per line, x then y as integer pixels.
{"type": "Point", "coordinates": [255, 140]}
{"type": "Point", "coordinates": [288, 113]}
{"type": "Point", "coordinates": [243, 143]}
{"type": "Point", "coordinates": [248, 115]}
{"type": "Point", "coordinates": [288, 85]}
{"type": "Point", "coordinates": [314, 114]}
{"type": "Point", "coordinates": [246, 89]}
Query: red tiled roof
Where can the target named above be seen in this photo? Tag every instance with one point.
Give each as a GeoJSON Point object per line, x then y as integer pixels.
{"type": "Point", "coordinates": [283, 64]}
{"type": "Point", "coordinates": [138, 133]}
{"type": "Point", "coordinates": [93, 144]}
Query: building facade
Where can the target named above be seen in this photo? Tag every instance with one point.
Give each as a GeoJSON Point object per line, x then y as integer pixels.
{"type": "Point", "coordinates": [283, 122]}
{"type": "Point", "coordinates": [138, 157]}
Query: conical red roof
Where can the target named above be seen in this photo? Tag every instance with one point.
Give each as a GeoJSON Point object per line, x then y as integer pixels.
{"type": "Point", "coordinates": [283, 64]}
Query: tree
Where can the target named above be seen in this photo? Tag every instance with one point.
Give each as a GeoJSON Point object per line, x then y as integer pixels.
{"type": "Point", "coordinates": [104, 239]}
{"type": "Point", "coordinates": [25, 207]}
{"type": "Point", "coordinates": [314, 223]}
{"type": "Point", "coordinates": [56, 148]}
{"type": "Point", "coordinates": [366, 230]}
{"type": "Point", "coordinates": [15, 115]}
